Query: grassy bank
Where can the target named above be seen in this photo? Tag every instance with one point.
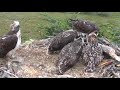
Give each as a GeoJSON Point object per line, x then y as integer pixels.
{"type": "Point", "coordinates": [38, 25]}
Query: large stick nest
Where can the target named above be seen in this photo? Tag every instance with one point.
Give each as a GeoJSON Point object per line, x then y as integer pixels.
{"type": "Point", "coordinates": [33, 61]}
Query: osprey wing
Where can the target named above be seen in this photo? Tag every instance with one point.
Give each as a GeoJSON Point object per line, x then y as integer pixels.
{"type": "Point", "coordinates": [7, 43]}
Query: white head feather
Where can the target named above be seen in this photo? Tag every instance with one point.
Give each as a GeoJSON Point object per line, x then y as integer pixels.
{"type": "Point", "coordinates": [16, 23]}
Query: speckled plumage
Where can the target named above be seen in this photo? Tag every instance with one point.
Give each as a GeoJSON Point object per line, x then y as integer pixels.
{"type": "Point", "coordinates": [92, 53]}
{"type": "Point", "coordinates": [62, 39]}
{"type": "Point", "coordinates": [69, 56]}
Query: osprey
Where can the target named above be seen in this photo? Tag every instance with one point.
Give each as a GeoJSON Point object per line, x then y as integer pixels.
{"type": "Point", "coordinates": [62, 39]}
{"type": "Point", "coordinates": [11, 40]}
{"type": "Point", "coordinates": [69, 56]}
{"type": "Point", "coordinates": [92, 53]}
{"type": "Point", "coordinates": [84, 26]}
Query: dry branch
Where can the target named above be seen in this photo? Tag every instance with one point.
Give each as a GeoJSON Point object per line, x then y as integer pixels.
{"type": "Point", "coordinates": [105, 41]}
{"type": "Point", "coordinates": [110, 51]}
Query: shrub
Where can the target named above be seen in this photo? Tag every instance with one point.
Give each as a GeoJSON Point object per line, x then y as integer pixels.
{"type": "Point", "coordinates": [104, 14]}
{"type": "Point", "coordinates": [56, 25]}
{"type": "Point", "coordinates": [109, 31]}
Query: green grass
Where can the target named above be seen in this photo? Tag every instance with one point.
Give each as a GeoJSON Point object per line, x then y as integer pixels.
{"type": "Point", "coordinates": [38, 25]}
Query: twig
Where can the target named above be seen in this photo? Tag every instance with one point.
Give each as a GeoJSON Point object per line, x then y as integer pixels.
{"type": "Point", "coordinates": [9, 73]}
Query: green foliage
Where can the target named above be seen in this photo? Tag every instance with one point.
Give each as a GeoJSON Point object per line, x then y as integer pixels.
{"type": "Point", "coordinates": [56, 25]}
{"type": "Point", "coordinates": [104, 14]}
{"type": "Point", "coordinates": [109, 31]}
{"type": "Point", "coordinates": [38, 25]}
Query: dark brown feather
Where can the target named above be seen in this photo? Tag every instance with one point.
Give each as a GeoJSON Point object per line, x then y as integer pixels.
{"type": "Point", "coordinates": [7, 43]}
{"type": "Point", "coordinates": [14, 31]}
{"type": "Point", "coordinates": [85, 26]}
{"type": "Point", "coordinates": [61, 40]}
{"type": "Point", "coordinates": [69, 56]}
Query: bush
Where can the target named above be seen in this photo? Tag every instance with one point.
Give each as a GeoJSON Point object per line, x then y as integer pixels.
{"type": "Point", "coordinates": [104, 14]}
{"type": "Point", "coordinates": [56, 25]}
{"type": "Point", "coordinates": [109, 31]}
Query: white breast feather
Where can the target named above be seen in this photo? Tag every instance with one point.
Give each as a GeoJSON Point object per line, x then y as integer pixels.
{"type": "Point", "coordinates": [19, 39]}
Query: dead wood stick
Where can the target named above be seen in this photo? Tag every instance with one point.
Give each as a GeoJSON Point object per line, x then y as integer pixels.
{"type": "Point", "coordinates": [105, 41]}
{"type": "Point", "coordinates": [105, 63]}
{"type": "Point", "coordinates": [8, 73]}
{"type": "Point", "coordinates": [110, 51]}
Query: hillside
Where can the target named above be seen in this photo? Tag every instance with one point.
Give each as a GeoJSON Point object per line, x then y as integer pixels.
{"type": "Point", "coordinates": [39, 25]}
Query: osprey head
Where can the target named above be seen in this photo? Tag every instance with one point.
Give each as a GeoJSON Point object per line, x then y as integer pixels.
{"type": "Point", "coordinates": [92, 37]}
{"type": "Point", "coordinates": [15, 25]}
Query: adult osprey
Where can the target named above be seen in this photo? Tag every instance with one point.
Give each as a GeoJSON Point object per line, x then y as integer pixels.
{"type": "Point", "coordinates": [84, 26]}
{"type": "Point", "coordinates": [11, 40]}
